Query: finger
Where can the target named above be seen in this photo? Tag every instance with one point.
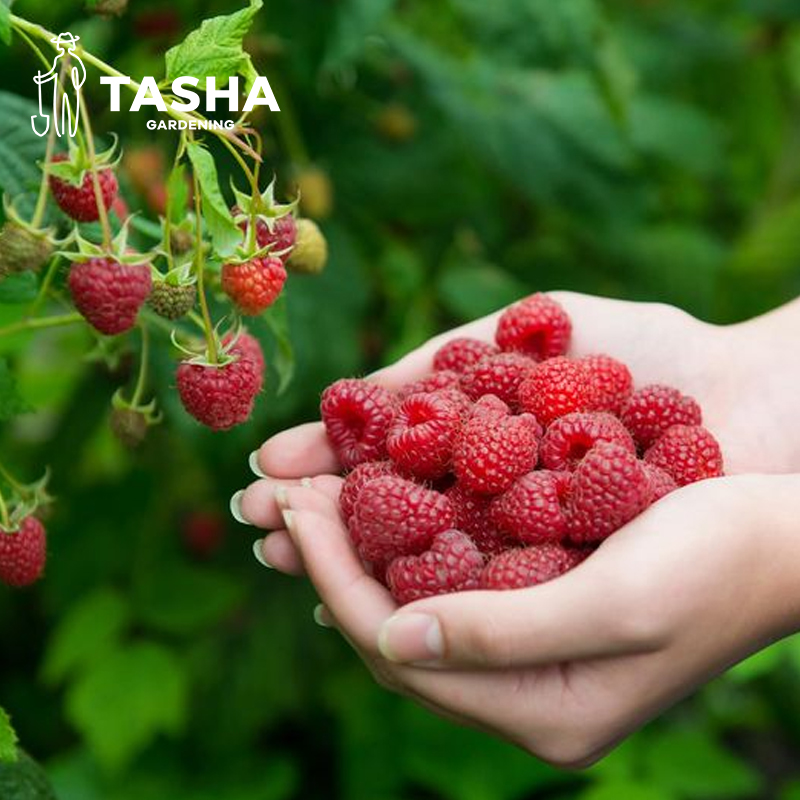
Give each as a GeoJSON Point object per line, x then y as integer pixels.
{"type": "Point", "coordinates": [258, 504]}
{"type": "Point", "coordinates": [576, 616]}
{"type": "Point", "coordinates": [277, 551]}
{"type": "Point", "coordinates": [298, 452]}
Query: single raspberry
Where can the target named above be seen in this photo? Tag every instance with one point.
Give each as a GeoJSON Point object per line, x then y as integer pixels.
{"type": "Point", "coordinates": [491, 405]}
{"type": "Point", "coordinates": [462, 352]}
{"type": "Point", "coordinates": [220, 396]}
{"type": "Point", "coordinates": [247, 346]}
{"type": "Point", "coordinates": [609, 488]}
{"type": "Point", "coordinates": [688, 453]}
{"type": "Point", "coordinates": [109, 294]}
{"type": "Point", "coordinates": [172, 300]}
{"type": "Point", "coordinates": [310, 253]}
{"type": "Point", "coordinates": [357, 415]}
{"type": "Point", "coordinates": [522, 567]}
{"type": "Point", "coordinates": [254, 285]}
{"type": "Point", "coordinates": [23, 553]}
{"type": "Point", "coordinates": [396, 517]}
{"type": "Point", "coordinates": [473, 518]}
{"type": "Point", "coordinates": [532, 509]}
{"type": "Point", "coordinates": [554, 388]}
{"type": "Point", "coordinates": [500, 375]}
{"type": "Point", "coordinates": [613, 382]}
{"type": "Point", "coordinates": [661, 482]}
{"type": "Point", "coordinates": [571, 437]}
{"type": "Point", "coordinates": [357, 479]}
{"type": "Point", "coordinates": [446, 379]}
{"type": "Point", "coordinates": [22, 247]}
{"type": "Point", "coordinates": [420, 439]}
{"type": "Point", "coordinates": [129, 426]}
{"type": "Point", "coordinates": [536, 326]}
{"type": "Point", "coordinates": [203, 533]}
{"type": "Point", "coordinates": [78, 201]}
{"type": "Point", "coordinates": [457, 397]}
{"type": "Point", "coordinates": [279, 233]}
{"type": "Point", "coordinates": [652, 409]}
{"type": "Point", "coordinates": [492, 451]}
{"type": "Point", "coordinates": [452, 564]}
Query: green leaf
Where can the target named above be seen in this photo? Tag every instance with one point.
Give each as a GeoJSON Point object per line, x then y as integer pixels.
{"type": "Point", "coordinates": [125, 699]}
{"type": "Point", "coordinates": [277, 320]}
{"type": "Point", "coordinates": [221, 227]}
{"type": "Point", "coordinates": [8, 737]}
{"type": "Point", "coordinates": [5, 22]}
{"type": "Point", "coordinates": [761, 663]}
{"type": "Point", "coordinates": [24, 779]}
{"type": "Point", "coordinates": [19, 288]}
{"type": "Point", "coordinates": [89, 628]}
{"type": "Point", "coordinates": [630, 790]}
{"type": "Point", "coordinates": [177, 195]}
{"type": "Point", "coordinates": [215, 49]}
{"type": "Point", "coordinates": [20, 150]}
{"type": "Point", "coordinates": [12, 403]}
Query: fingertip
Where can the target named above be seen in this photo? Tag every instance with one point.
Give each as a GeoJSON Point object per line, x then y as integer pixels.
{"type": "Point", "coordinates": [279, 552]}
{"type": "Point", "coordinates": [298, 452]}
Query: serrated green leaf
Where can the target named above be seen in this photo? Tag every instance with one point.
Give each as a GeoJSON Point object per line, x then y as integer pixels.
{"type": "Point", "coordinates": [19, 288]}
{"type": "Point", "coordinates": [127, 698]}
{"type": "Point", "coordinates": [90, 627]}
{"type": "Point", "coordinates": [12, 404]}
{"type": "Point", "coordinates": [225, 235]}
{"type": "Point", "coordinates": [8, 737]}
{"type": "Point", "coordinates": [215, 48]}
{"type": "Point", "coordinates": [177, 195]}
{"type": "Point", "coordinates": [20, 150]}
{"type": "Point", "coordinates": [277, 320]}
{"type": "Point", "coordinates": [5, 22]}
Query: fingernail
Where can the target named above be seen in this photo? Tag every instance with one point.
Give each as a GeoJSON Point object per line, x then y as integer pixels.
{"type": "Point", "coordinates": [236, 508]}
{"type": "Point", "coordinates": [254, 466]}
{"type": "Point", "coordinates": [410, 638]}
{"type": "Point", "coordinates": [306, 483]}
{"type": "Point", "coordinates": [260, 555]}
{"type": "Point", "coordinates": [288, 521]}
{"type": "Point", "coordinates": [281, 497]}
{"type": "Point", "coordinates": [321, 616]}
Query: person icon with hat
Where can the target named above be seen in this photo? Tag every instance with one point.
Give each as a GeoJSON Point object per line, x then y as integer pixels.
{"type": "Point", "coordinates": [65, 113]}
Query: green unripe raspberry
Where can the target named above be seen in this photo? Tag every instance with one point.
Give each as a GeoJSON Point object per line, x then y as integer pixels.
{"type": "Point", "coordinates": [22, 248]}
{"type": "Point", "coordinates": [310, 253]}
{"type": "Point", "coordinates": [172, 301]}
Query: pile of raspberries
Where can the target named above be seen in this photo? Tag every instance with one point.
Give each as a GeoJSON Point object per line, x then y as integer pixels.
{"type": "Point", "coordinates": [510, 463]}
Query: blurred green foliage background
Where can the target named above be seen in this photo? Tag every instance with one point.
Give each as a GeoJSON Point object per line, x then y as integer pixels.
{"type": "Point", "coordinates": [474, 151]}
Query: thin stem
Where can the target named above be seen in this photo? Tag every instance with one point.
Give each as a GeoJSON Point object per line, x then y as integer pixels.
{"type": "Point", "coordinates": [54, 321]}
{"type": "Point", "coordinates": [144, 357]}
{"type": "Point", "coordinates": [5, 520]}
{"type": "Point", "coordinates": [242, 163]}
{"type": "Point", "coordinates": [35, 49]}
{"type": "Point", "coordinates": [199, 265]}
{"type": "Point", "coordinates": [45, 287]}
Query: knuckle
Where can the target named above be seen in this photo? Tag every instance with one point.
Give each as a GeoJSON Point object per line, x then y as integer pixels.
{"type": "Point", "coordinates": [637, 614]}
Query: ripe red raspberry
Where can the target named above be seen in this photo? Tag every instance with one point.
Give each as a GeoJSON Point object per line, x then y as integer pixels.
{"type": "Point", "coordinates": [356, 480]}
{"type": "Point", "coordinates": [279, 233]}
{"type": "Point", "coordinates": [609, 488]}
{"type": "Point", "coordinates": [688, 453]}
{"type": "Point", "coordinates": [556, 387]}
{"type": "Point", "coordinates": [421, 437]}
{"type": "Point", "coordinates": [462, 352]}
{"type": "Point", "coordinates": [532, 509]}
{"type": "Point", "coordinates": [395, 517]}
{"type": "Point", "coordinates": [500, 375]}
{"type": "Point", "coordinates": [109, 294]}
{"type": "Point", "coordinates": [571, 437]}
{"type": "Point", "coordinates": [255, 284]}
{"type": "Point", "coordinates": [23, 553]}
{"type": "Point", "coordinates": [473, 518]}
{"type": "Point", "coordinates": [491, 405]}
{"type": "Point", "coordinates": [220, 396]}
{"type": "Point", "coordinates": [536, 326]}
{"type": "Point", "coordinates": [247, 346]}
{"type": "Point", "coordinates": [652, 409]}
{"type": "Point", "coordinates": [79, 202]}
{"type": "Point", "coordinates": [446, 379]}
{"type": "Point", "coordinates": [492, 450]}
{"type": "Point", "coordinates": [522, 567]}
{"type": "Point", "coordinates": [452, 564]}
{"type": "Point", "coordinates": [613, 382]}
{"type": "Point", "coordinates": [357, 415]}
{"type": "Point", "coordinates": [661, 482]}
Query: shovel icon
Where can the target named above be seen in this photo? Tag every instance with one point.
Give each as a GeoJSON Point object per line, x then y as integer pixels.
{"type": "Point", "coordinates": [39, 79]}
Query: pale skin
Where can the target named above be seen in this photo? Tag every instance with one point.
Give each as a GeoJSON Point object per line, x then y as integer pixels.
{"type": "Point", "coordinates": [567, 669]}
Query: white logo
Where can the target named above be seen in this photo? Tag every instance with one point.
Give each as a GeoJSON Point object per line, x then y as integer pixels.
{"type": "Point", "coordinates": [65, 117]}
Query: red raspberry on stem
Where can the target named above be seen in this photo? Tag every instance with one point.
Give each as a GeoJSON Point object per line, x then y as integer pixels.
{"type": "Point", "coordinates": [452, 564]}
{"type": "Point", "coordinates": [661, 482]}
{"type": "Point", "coordinates": [653, 409]}
{"type": "Point", "coordinates": [613, 382]}
{"type": "Point", "coordinates": [688, 453]}
{"type": "Point", "coordinates": [247, 346]}
{"type": "Point", "coordinates": [536, 326]}
{"type": "Point", "coordinates": [571, 437]}
{"type": "Point", "coordinates": [420, 439]}
{"type": "Point", "coordinates": [500, 375]}
{"type": "Point", "coordinates": [532, 509]}
{"type": "Point", "coordinates": [462, 352]}
{"type": "Point", "coordinates": [446, 379]}
{"type": "Point", "coordinates": [23, 553]}
{"type": "Point", "coordinates": [254, 285]}
{"type": "Point", "coordinates": [356, 480]}
{"type": "Point", "coordinates": [79, 201]}
{"type": "Point", "coordinates": [395, 517]}
{"type": "Point", "coordinates": [522, 567]}
{"type": "Point", "coordinates": [556, 387]}
{"type": "Point", "coordinates": [357, 415]}
{"type": "Point", "coordinates": [609, 488]}
{"type": "Point", "coordinates": [279, 233]}
{"type": "Point", "coordinates": [471, 515]}
{"type": "Point", "coordinates": [109, 294]}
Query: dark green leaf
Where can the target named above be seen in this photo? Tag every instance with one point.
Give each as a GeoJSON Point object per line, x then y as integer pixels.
{"type": "Point", "coordinates": [630, 790]}
{"type": "Point", "coordinates": [12, 403]}
{"type": "Point", "coordinates": [20, 150]}
{"type": "Point", "coordinates": [18, 288]}
{"type": "Point", "coordinates": [177, 195]}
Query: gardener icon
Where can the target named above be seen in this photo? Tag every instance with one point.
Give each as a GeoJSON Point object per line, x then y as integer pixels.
{"type": "Point", "coordinates": [65, 114]}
